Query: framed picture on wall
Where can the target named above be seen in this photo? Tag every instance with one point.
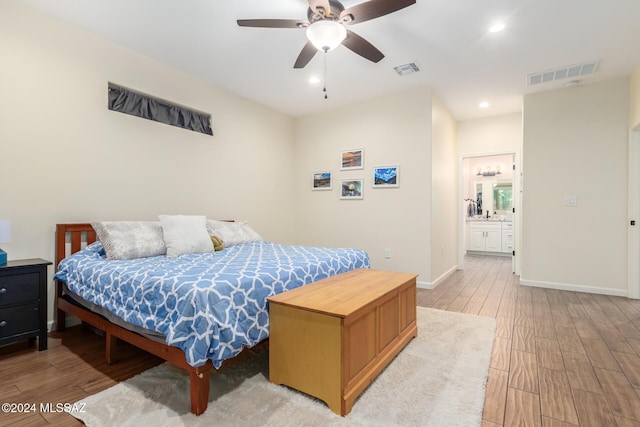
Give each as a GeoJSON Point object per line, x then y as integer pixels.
{"type": "Point", "coordinates": [351, 188]}
{"type": "Point", "coordinates": [321, 181]}
{"type": "Point", "coordinates": [352, 159]}
{"type": "Point", "coordinates": [386, 176]}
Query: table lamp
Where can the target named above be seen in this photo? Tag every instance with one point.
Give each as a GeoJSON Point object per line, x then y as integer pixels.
{"type": "Point", "coordinates": [5, 237]}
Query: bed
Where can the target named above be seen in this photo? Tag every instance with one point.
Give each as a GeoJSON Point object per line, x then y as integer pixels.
{"type": "Point", "coordinates": [198, 310]}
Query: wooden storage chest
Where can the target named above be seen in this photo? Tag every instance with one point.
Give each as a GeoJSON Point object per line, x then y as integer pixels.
{"type": "Point", "coordinates": [331, 338]}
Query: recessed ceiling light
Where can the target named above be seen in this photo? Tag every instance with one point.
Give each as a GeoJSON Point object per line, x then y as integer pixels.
{"type": "Point", "coordinates": [497, 27]}
{"type": "Point", "coordinates": [314, 80]}
{"type": "Point", "coordinates": [484, 104]}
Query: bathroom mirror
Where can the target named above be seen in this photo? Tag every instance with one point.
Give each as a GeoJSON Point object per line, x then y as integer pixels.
{"type": "Point", "coordinates": [493, 195]}
{"type": "Point", "coordinates": [502, 197]}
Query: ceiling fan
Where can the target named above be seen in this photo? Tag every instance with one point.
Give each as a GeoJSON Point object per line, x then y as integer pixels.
{"type": "Point", "coordinates": [326, 26]}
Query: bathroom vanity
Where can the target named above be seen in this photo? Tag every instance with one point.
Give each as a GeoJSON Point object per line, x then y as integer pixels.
{"type": "Point", "coordinates": [490, 236]}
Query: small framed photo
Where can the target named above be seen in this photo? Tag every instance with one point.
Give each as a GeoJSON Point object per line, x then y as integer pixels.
{"type": "Point", "coordinates": [321, 181]}
{"type": "Point", "coordinates": [352, 159]}
{"type": "Point", "coordinates": [386, 176]}
{"type": "Point", "coordinates": [351, 188]}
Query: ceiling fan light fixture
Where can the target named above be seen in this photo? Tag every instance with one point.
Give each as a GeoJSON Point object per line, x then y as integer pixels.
{"type": "Point", "coordinates": [326, 35]}
{"type": "Point", "coordinates": [497, 27]}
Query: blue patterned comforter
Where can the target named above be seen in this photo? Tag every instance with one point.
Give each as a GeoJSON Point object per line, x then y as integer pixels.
{"type": "Point", "coordinates": [210, 305]}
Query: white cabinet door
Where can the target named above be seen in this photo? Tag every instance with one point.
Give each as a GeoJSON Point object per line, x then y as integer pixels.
{"type": "Point", "coordinates": [476, 240]}
{"type": "Point", "coordinates": [493, 240]}
{"type": "Point", "coordinates": [484, 236]}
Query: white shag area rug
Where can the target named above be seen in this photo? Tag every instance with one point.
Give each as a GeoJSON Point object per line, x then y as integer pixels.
{"type": "Point", "coordinates": [438, 379]}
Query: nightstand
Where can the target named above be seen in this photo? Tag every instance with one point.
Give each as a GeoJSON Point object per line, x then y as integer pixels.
{"type": "Point", "coordinates": [23, 301]}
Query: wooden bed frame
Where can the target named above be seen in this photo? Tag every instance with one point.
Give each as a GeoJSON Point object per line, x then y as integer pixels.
{"type": "Point", "coordinates": [199, 377]}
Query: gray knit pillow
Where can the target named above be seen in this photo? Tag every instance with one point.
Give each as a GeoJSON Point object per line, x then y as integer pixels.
{"type": "Point", "coordinates": [130, 239]}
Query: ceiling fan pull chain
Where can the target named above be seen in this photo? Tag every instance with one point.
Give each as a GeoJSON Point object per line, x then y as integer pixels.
{"type": "Point", "coordinates": [325, 74]}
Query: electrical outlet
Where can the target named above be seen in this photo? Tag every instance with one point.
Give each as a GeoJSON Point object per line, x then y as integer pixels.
{"type": "Point", "coordinates": [387, 253]}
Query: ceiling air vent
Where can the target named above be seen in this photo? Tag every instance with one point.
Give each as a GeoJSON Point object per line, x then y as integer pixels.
{"type": "Point", "coordinates": [568, 72]}
{"type": "Point", "coordinates": [405, 69]}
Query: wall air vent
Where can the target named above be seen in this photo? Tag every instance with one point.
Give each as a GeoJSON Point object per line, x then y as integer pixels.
{"type": "Point", "coordinates": [562, 73]}
{"type": "Point", "coordinates": [405, 69]}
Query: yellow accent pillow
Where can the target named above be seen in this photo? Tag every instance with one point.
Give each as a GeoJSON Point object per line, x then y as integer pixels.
{"type": "Point", "coordinates": [218, 244]}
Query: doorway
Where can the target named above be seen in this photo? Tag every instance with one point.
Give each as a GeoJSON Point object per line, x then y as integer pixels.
{"type": "Point", "coordinates": [489, 185]}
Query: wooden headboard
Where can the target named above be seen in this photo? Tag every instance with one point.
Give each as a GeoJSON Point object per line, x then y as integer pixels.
{"type": "Point", "coordinates": [78, 233]}
{"type": "Point", "coordinates": [75, 233]}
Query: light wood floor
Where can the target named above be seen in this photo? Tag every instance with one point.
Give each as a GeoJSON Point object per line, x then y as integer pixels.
{"type": "Point", "coordinates": [73, 367]}
{"type": "Point", "coordinates": [559, 359]}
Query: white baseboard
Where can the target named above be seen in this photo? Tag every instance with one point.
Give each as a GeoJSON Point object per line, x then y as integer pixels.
{"type": "Point", "coordinates": [574, 288]}
{"type": "Point", "coordinates": [442, 278]}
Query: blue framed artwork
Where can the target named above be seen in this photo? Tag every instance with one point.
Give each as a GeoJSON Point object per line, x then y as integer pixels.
{"type": "Point", "coordinates": [386, 176]}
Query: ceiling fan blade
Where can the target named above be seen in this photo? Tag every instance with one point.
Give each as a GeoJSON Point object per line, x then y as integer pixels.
{"type": "Point", "coordinates": [362, 47]}
{"type": "Point", "coordinates": [324, 4]}
{"type": "Point", "coordinates": [308, 51]}
{"type": "Point", "coordinates": [273, 23]}
{"type": "Point", "coordinates": [372, 9]}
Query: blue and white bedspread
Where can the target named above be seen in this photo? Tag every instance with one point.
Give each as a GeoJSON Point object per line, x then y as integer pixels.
{"type": "Point", "coordinates": [210, 305]}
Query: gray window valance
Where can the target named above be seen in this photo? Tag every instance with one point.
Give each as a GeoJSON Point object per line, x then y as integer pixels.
{"type": "Point", "coordinates": [138, 104]}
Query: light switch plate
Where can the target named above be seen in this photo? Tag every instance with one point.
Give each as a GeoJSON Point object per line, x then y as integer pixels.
{"type": "Point", "coordinates": [570, 200]}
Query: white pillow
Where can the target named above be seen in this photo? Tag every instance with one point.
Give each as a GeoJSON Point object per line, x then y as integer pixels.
{"type": "Point", "coordinates": [130, 239]}
{"type": "Point", "coordinates": [232, 233]}
{"type": "Point", "coordinates": [185, 234]}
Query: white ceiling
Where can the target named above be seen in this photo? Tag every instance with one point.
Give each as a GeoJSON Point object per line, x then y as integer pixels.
{"type": "Point", "coordinates": [458, 58]}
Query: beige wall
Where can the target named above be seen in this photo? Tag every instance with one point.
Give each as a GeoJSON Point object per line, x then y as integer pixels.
{"type": "Point", "coordinates": [490, 135]}
{"type": "Point", "coordinates": [444, 198]}
{"type": "Point", "coordinates": [393, 130]}
{"type": "Point", "coordinates": [575, 143]}
{"type": "Point", "coordinates": [66, 158]}
{"type": "Point", "coordinates": [634, 105]}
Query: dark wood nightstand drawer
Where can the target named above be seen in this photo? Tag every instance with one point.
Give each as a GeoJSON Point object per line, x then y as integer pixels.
{"type": "Point", "coordinates": [20, 319]}
{"type": "Point", "coordinates": [23, 301]}
{"type": "Point", "coordinates": [19, 288]}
